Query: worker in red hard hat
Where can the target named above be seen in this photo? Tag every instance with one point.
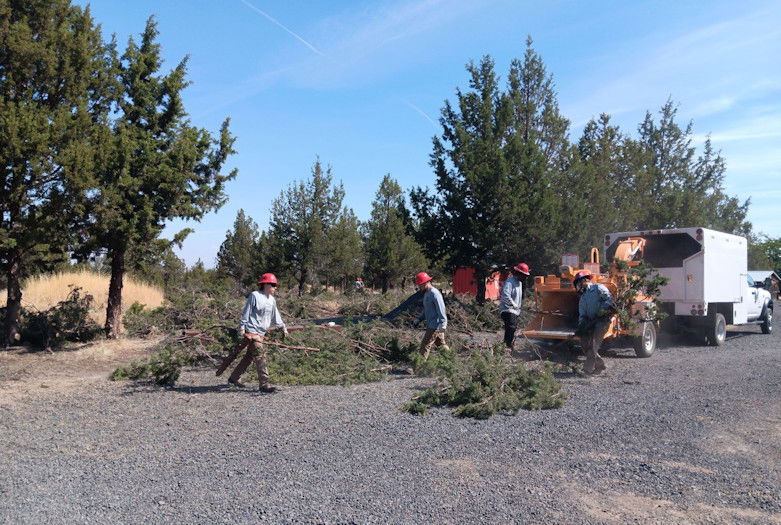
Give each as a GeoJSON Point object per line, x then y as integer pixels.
{"type": "Point", "coordinates": [259, 315]}
{"type": "Point", "coordinates": [433, 313]}
{"type": "Point", "coordinates": [358, 284]}
{"type": "Point", "coordinates": [510, 302]}
{"type": "Point", "coordinates": [595, 313]}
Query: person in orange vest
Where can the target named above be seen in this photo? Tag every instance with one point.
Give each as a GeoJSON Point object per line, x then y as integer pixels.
{"type": "Point", "coordinates": [433, 313]}
{"type": "Point", "coordinates": [510, 302]}
{"type": "Point", "coordinates": [259, 315]}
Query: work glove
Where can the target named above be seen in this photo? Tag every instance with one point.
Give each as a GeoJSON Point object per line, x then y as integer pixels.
{"type": "Point", "coordinates": [284, 332]}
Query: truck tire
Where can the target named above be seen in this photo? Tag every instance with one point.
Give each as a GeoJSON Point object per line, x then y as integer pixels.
{"type": "Point", "coordinates": [716, 332]}
{"type": "Point", "coordinates": [767, 320]}
{"type": "Point", "coordinates": [645, 343]}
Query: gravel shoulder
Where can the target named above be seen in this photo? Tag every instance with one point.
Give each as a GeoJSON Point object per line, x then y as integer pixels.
{"type": "Point", "coordinates": [690, 435]}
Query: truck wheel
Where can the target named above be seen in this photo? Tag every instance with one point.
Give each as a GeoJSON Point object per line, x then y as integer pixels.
{"type": "Point", "coordinates": [645, 343]}
{"type": "Point", "coordinates": [717, 332]}
{"type": "Point", "coordinates": [767, 320]}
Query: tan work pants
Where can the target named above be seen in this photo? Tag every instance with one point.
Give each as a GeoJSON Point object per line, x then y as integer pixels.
{"type": "Point", "coordinates": [255, 351]}
{"type": "Point", "coordinates": [432, 337]}
{"type": "Point", "coordinates": [591, 343]}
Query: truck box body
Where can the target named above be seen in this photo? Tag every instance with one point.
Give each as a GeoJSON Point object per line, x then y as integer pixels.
{"type": "Point", "coordinates": [705, 267]}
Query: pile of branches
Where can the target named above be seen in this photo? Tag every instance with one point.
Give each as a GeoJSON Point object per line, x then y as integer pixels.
{"type": "Point", "coordinates": [486, 383]}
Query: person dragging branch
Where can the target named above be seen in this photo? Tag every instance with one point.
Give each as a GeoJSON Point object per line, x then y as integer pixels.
{"type": "Point", "coordinates": [433, 313]}
{"type": "Point", "coordinates": [260, 314]}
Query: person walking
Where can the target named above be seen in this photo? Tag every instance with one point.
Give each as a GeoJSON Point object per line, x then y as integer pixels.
{"type": "Point", "coordinates": [259, 315]}
{"type": "Point", "coordinates": [433, 313]}
{"type": "Point", "coordinates": [510, 302]}
{"type": "Point", "coordinates": [595, 312]}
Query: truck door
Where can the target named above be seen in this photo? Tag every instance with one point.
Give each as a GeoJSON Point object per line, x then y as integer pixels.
{"type": "Point", "coordinates": [754, 300]}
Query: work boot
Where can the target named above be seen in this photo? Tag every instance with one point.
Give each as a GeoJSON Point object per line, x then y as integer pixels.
{"type": "Point", "coordinates": [267, 389]}
{"type": "Point", "coordinates": [237, 383]}
{"type": "Point", "coordinates": [599, 365]}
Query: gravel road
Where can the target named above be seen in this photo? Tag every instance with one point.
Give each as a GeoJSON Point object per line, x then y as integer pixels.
{"type": "Point", "coordinates": [691, 435]}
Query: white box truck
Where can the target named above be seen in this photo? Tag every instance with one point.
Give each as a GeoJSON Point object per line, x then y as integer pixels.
{"type": "Point", "coordinates": [709, 286]}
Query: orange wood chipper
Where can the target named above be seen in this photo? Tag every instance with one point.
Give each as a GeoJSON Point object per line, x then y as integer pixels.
{"type": "Point", "coordinates": [556, 300]}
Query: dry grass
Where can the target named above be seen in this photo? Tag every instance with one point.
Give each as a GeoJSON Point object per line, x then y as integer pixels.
{"type": "Point", "coordinates": [44, 291]}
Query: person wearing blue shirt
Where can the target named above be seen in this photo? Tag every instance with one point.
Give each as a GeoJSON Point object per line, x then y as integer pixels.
{"type": "Point", "coordinates": [595, 312]}
{"type": "Point", "coordinates": [433, 314]}
{"type": "Point", "coordinates": [510, 302]}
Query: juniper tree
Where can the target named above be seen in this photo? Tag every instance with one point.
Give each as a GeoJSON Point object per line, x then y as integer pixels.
{"type": "Point", "coordinates": [54, 88]}
{"type": "Point", "coordinates": [301, 218]}
{"type": "Point", "coordinates": [157, 165]}
{"type": "Point", "coordinates": [238, 253]}
{"type": "Point", "coordinates": [343, 256]}
{"type": "Point", "coordinates": [499, 163]}
{"type": "Point", "coordinates": [391, 252]}
{"type": "Point", "coordinates": [685, 189]}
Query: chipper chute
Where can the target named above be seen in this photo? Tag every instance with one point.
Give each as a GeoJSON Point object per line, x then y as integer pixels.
{"type": "Point", "coordinates": [556, 300]}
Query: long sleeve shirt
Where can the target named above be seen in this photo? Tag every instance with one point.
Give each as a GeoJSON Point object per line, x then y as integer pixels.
{"type": "Point", "coordinates": [512, 296]}
{"type": "Point", "coordinates": [260, 313]}
{"type": "Point", "coordinates": [434, 310]}
{"type": "Point", "coordinates": [596, 297]}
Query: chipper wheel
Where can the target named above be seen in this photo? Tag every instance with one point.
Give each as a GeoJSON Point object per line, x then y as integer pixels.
{"type": "Point", "coordinates": [645, 343]}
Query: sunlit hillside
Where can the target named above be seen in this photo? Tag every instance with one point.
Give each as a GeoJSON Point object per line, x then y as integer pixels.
{"type": "Point", "coordinates": [44, 291]}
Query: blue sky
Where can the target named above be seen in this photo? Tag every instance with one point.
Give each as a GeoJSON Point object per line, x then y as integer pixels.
{"type": "Point", "coordinates": [361, 83]}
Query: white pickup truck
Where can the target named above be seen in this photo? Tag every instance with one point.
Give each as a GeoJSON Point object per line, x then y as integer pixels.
{"type": "Point", "coordinates": [709, 286]}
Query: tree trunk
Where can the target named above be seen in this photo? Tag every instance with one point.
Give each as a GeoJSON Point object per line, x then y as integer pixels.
{"type": "Point", "coordinates": [114, 307]}
{"type": "Point", "coordinates": [302, 283]}
{"type": "Point", "coordinates": [11, 333]}
{"type": "Point", "coordinates": [480, 275]}
{"type": "Point", "coordinates": [384, 284]}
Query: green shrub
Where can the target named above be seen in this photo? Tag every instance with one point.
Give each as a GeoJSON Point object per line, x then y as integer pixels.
{"type": "Point", "coordinates": [141, 322]}
{"type": "Point", "coordinates": [482, 385]}
{"type": "Point", "coordinates": [68, 320]}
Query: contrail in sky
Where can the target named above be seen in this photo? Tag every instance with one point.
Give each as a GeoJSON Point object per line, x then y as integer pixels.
{"type": "Point", "coordinates": [277, 22]}
{"type": "Point", "coordinates": [423, 113]}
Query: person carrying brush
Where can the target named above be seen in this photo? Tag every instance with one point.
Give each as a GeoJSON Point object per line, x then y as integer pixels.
{"type": "Point", "coordinates": [259, 315]}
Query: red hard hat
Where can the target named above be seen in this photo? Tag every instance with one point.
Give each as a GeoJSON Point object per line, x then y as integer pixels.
{"type": "Point", "coordinates": [522, 267]}
{"type": "Point", "coordinates": [359, 278]}
{"type": "Point", "coordinates": [422, 278]}
{"type": "Point", "coordinates": [582, 274]}
{"type": "Point", "coordinates": [268, 278]}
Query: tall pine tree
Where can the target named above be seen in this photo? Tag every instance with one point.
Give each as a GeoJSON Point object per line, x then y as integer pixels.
{"type": "Point", "coordinates": [157, 165]}
{"type": "Point", "coordinates": [238, 254]}
{"type": "Point", "coordinates": [301, 219]}
{"type": "Point", "coordinates": [54, 87]}
{"type": "Point", "coordinates": [391, 252]}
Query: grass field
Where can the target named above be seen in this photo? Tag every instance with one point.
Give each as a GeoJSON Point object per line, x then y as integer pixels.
{"type": "Point", "coordinates": [44, 291]}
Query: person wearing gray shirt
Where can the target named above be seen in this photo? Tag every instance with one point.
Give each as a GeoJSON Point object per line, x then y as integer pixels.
{"type": "Point", "coordinates": [510, 302]}
{"type": "Point", "coordinates": [259, 315]}
{"type": "Point", "coordinates": [433, 314]}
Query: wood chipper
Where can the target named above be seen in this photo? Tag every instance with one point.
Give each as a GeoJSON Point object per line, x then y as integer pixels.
{"type": "Point", "coordinates": [556, 300]}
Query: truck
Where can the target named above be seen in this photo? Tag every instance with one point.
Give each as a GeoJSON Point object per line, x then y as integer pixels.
{"type": "Point", "coordinates": [709, 286]}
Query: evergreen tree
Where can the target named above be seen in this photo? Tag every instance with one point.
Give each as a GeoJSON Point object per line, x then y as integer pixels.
{"type": "Point", "coordinates": [685, 190]}
{"type": "Point", "coordinates": [344, 256]}
{"type": "Point", "coordinates": [239, 251]}
{"type": "Point", "coordinates": [301, 219]}
{"type": "Point", "coordinates": [501, 166]}
{"type": "Point", "coordinates": [54, 88]}
{"type": "Point", "coordinates": [157, 165]}
{"type": "Point", "coordinates": [391, 252]}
